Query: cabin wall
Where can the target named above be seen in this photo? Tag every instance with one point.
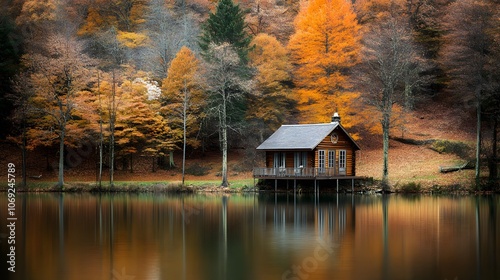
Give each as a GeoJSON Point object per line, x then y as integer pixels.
{"type": "Point", "coordinates": [343, 143]}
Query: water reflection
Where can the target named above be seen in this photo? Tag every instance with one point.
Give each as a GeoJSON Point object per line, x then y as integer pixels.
{"type": "Point", "coordinates": [157, 236]}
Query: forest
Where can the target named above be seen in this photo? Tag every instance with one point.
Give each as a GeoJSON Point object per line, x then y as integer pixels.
{"type": "Point", "coordinates": [147, 78]}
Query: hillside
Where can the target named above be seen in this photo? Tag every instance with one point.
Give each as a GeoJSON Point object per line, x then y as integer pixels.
{"type": "Point", "coordinates": [408, 162]}
{"type": "Point", "coordinates": [437, 120]}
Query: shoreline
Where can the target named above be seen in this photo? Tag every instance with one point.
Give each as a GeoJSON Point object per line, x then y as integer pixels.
{"type": "Point", "coordinates": [237, 187]}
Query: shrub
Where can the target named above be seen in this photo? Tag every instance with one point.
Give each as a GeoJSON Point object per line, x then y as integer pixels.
{"type": "Point", "coordinates": [411, 187]}
{"type": "Point", "coordinates": [452, 147]}
{"type": "Point", "coordinates": [197, 170]}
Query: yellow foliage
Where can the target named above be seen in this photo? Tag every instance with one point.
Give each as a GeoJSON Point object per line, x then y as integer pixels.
{"type": "Point", "coordinates": [92, 24]}
{"type": "Point", "coordinates": [182, 72]}
{"type": "Point", "coordinates": [132, 39]}
{"type": "Point", "coordinates": [270, 59]}
{"type": "Point", "coordinates": [35, 11]}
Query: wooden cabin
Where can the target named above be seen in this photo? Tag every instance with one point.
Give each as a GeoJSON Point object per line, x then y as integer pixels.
{"type": "Point", "coordinates": [309, 151]}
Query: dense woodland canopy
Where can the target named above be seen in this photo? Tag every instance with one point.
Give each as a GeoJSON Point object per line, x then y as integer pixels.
{"type": "Point", "coordinates": [153, 77]}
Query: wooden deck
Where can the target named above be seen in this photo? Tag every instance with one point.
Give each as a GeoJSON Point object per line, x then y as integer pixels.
{"type": "Point", "coordinates": [300, 173]}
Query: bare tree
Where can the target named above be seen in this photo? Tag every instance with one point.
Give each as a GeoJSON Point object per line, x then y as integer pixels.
{"type": "Point", "coordinates": [168, 32]}
{"type": "Point", "coordinates": [466, 55]}
{"type": "Point", "coordinates": [390, 75]}
{"type": "Point", "coordinates": [226, 86]}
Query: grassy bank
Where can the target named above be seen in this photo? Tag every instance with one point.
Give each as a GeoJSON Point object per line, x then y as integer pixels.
{"type": "Point", "coordinates": [138, 186]}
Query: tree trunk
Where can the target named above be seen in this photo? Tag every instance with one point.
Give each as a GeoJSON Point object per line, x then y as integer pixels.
{"type": "Point", "coordinates": [112, 119]}
{"type": "Point", "coordinates": [171, 159]}
{"type": "Point", "coordinates": [111, 157]}
{"type": "Point", "coordinates": [478, 142]}
{"type": "Point", "coordinates": [386, 126]}
{"type": "Point", "coordinates": [223, 120]}
{"type": "Point", "coordinates": [385, 140]}
{"type": "Point", "coordinates": [101, 133]}
{"type": "Point", "coordinates": [24, 153]}
{"type": "Point", "coordinates": [60, 182]}
{"type": "Point", "coordinates": [184, 127]}
{"type": "Point", "coordinates": [493, 166]}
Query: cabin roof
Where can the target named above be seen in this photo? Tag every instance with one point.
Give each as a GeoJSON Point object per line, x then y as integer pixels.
{"type": "Point", "coordinates": [300, 136]}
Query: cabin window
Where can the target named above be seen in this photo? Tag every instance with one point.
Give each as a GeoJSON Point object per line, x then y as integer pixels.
{"type": "Point", "coordinates": [279, 160]}
{"type": "Point", "coordinates": [342, 160]}
{"type": "Point", "coordinates": [321, 161]}
{"type": "Point", "coordinates": [300, 159]}
{"type": "Point", "coordinates": [331, 158]}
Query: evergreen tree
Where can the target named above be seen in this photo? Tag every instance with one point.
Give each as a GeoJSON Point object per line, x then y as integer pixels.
{"type": "Point", "coordinates": [226, 25]}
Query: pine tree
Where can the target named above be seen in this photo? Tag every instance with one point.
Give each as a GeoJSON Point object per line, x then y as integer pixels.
{"type": "Point", "coordinates": [226, 25]}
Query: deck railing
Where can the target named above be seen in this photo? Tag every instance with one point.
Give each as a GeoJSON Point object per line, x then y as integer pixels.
{"type": "Point", "coordinates": [307, 172]}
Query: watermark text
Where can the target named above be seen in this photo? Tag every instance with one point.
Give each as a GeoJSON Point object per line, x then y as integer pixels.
{"type": "Point", "coordinates": [11, 216]}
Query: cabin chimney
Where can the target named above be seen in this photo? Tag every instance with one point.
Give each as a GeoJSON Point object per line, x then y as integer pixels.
{"type": "Point", "coordinates": [336, 118]}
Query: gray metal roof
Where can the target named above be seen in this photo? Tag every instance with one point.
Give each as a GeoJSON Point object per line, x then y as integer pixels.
{"type": "Point", "coordinates": [298, 136]}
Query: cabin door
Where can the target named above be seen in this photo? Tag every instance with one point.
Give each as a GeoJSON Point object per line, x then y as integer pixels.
{"type": "Point", "coordinates": [331, 162]}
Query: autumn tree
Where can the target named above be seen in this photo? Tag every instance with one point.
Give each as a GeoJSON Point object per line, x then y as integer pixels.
{"type": "Point", "coordinates": [390, 75]}
{"type": "Point", "coordinates": [226, 25]}
{"type": "Point", "coordinates": [467, 56]}
{"type": "Point", "coordinates": [226, 85]}
{"type": "Point", "coordinates": [139, 127]}
{"type": "Point", "coordinates": [325, 45]}
{"type": "Point", "coordinates": [58, 75]}
{"type": "Point", "coordinates": [271, 104]}
{"type": "Point", "coordinates": [183, 100]}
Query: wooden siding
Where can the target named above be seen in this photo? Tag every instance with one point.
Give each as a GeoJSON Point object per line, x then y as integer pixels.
{"type": "Point", "coordinates": [343, 143]}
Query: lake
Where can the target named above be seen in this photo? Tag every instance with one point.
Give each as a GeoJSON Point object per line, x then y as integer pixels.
{"type": "Point", "coordinates": [252, 236]}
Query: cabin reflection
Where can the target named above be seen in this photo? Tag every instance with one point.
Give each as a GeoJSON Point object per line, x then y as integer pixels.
{"type": "Point", "coordinates": [328, 215]}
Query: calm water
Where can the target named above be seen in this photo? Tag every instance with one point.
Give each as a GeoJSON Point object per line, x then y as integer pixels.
{"type": "Point", "coordinates": [151, 236]}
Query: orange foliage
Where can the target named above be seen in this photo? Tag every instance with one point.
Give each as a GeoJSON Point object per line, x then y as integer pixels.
{"type": "Point", "coordinates": [326, 44]}
{"type": "Point", "coordinates": [181, 87]}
